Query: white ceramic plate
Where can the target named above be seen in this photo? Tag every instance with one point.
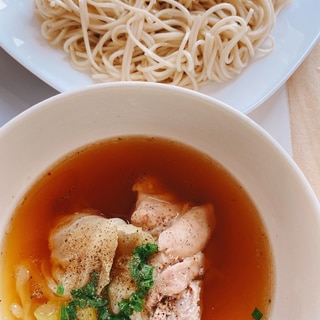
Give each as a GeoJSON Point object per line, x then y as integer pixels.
{"type": "Point", "coordinates": [296, 31]}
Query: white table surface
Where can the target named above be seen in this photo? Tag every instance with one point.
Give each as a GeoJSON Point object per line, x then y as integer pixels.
{"type": "Point", "coordinates": [20, 89]}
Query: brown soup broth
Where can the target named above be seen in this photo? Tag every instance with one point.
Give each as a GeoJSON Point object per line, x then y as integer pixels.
{"type": "Point", "coordinates": [239, 264]}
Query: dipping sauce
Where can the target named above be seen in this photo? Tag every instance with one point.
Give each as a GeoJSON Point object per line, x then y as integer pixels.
{"type": "Point", "coordinates": [239, 273]}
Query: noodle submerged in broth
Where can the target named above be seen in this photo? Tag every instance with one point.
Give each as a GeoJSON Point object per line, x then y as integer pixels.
{"type": "Point", "coordinates": [161, 239]}
{"type": "Point", "coordinates": [185, 43]}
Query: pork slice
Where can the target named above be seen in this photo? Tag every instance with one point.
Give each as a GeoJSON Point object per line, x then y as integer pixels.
{"type": "Point", "coordinates": [189, 233]}
{"type": "Point", "coordinates": [154, 215]}
{"type": "Point", "coordinates": [155, 208]}
{"type": "Point", "coordinates": [175, 279]}
{"type": "Point", "coordinates": [182, 306]}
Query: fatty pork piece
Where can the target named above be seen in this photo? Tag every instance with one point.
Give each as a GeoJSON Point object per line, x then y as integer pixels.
{"type": "Point", "coordinates": [189, 233]}
{"type": "Point", "coordinates": [182, 232]}
{"type": "Point", "coordinates": [179, 266]}
{"type": "Point", "coordinates": [175, 278]}
{"type": "Point", "coordinates": [81, 244]}
{"type": "Point", "coordinates": [155, 208]}
{"type": "Point", "coordinates": [182, 306]}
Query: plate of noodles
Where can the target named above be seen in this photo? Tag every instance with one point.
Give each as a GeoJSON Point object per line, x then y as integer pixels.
{"type": "Point", "coordinates": [237, 52]}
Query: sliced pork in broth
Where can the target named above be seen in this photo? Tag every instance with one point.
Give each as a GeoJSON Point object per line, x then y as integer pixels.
{"type": "Point", "coordinates": [83, 233]}
{"type": "Point", "coordinates": [179, 264]}
{"type": "Point", "coordinates": [84, 243]}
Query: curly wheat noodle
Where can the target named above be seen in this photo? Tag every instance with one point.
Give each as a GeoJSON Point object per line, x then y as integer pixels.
{"type": "Point", "coordinates": [185, 42]}
{"type": "Point", "coordinates": [24, 274]}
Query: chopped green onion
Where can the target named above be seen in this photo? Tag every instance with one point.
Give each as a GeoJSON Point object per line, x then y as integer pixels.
{"type": "Point", "coordinates": [142, 274]}
{"type": "Point", "coordinates": [257, 314]}
{"type": "Point", "coordinates": [64, 313]}
{"type": "Point", "coordinates": [60, 289]}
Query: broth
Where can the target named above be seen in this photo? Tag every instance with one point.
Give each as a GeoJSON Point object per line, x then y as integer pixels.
{"type": "Point", "coordinates": [239, 263]}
